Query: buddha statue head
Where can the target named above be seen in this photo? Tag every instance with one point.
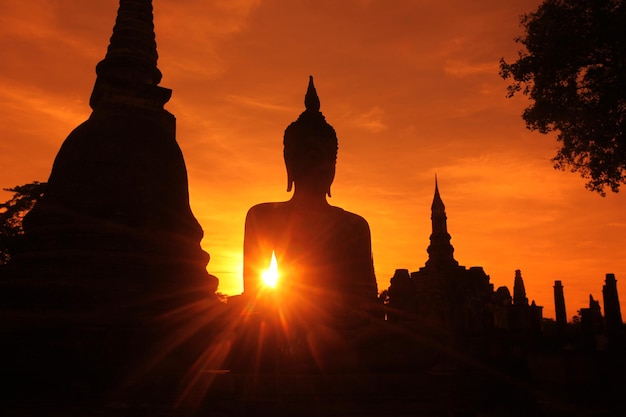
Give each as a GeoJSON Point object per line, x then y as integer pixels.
{"type": "Point", "coordinates": [310, 148]}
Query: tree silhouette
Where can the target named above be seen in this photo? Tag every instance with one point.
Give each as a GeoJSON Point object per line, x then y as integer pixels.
{"type": "Point", "coordinates": [12, 213]}
{"type": "Point", "coordinates": [572, 67]}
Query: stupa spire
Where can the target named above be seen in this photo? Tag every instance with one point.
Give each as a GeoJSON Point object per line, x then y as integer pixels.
{"type": "Point", "coordinates": [129, 70]}
{"type": "Point", "coordinates": [440, 250]}
{"type": "Point", "coordinates": [437, 201]}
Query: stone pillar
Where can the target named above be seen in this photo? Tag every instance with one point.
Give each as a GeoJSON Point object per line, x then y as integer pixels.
{"type": "Point", "coordinates": [559, 305]}
{"type": "Point", "coordinates": [612, 312]}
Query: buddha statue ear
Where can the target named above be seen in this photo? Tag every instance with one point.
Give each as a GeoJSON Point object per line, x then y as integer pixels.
{"type": "Point", "coordinates": [289, 179]}
{"type": "Point", "coordinates": [330, 183]}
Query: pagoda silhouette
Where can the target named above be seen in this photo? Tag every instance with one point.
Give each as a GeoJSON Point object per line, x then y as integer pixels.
{"type": "Point", "coordinates": [446, 297]}
{"type": "Point", "coordinates": [107, 299]}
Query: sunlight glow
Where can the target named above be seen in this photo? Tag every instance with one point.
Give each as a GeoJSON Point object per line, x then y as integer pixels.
{"type": "Point", "coordinates": [270, 275]}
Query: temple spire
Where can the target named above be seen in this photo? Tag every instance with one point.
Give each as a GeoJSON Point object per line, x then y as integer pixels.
{"type": "Point", "coordinates": [437, 202]}
{"type": "Point", "coordinates": [129, 73]}
{"type": "Point", "coordinates": [440, 250]}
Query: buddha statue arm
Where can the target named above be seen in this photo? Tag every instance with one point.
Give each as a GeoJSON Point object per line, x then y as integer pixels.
{"type": "Point", "coordinates": [367, 285]}
{"type": "Point", "coordinates": [363, 283]}
{"type": "Point", "coordinates": [253, 256]}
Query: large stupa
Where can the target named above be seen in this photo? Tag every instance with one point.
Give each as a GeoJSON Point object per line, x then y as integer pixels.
{"type": "Point", "coordinates": [115, 217]}
{"type": "Point", "coordinates": [110, 284]}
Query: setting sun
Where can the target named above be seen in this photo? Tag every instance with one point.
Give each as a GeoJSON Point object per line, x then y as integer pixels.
{"type": "Point", "coordinates": [270, 275]}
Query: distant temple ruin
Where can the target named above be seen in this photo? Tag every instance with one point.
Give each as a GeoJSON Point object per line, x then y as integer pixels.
{"type": "Point", "coordinates": [454, 300]}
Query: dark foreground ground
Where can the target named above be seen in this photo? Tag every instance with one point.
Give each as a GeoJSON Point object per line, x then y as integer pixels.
{"type": "Point", "coordinates": [438, 393]}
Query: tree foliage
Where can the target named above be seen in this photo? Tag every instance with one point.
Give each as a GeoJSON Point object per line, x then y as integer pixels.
{"type": "Point", "coordinates": [573, 68]}
{"type": "Point", "coordinates": [12, 213]}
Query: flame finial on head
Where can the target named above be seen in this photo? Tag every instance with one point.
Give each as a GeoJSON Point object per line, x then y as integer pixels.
{"type": "Point", "coordinates": [311, 100]}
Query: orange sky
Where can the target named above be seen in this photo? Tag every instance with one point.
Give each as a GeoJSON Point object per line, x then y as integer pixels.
{"type": "Point", "coordinates": [411, 87]}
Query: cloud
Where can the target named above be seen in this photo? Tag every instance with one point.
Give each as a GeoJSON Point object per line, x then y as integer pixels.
{"type": "Point", "coordinates": [459, 68]}
{"type": "Point", "coordinates": [38, 104]}
{"type": "Point", "coordinates": [257, 103]}
{"type": "Point", "coordinates": [371, 120]}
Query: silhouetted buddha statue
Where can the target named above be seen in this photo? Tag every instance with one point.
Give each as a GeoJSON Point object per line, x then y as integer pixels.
{"type": "Point", "coordinates": [323, 252]}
